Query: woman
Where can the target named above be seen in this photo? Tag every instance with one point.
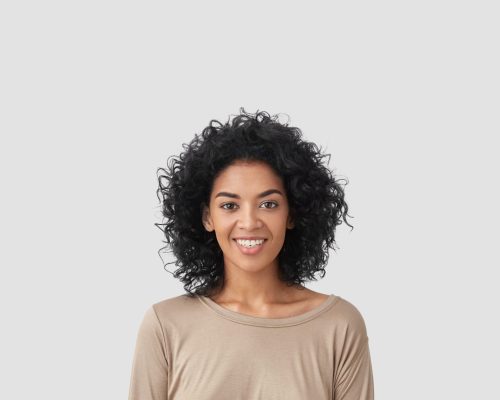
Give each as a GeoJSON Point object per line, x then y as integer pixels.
{"type": "Point", "coordinates": [251, 212]}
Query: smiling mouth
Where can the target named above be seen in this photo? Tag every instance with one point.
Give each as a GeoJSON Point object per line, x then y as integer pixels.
{"type": "Point", "coordinates": [250, 250]}
{"type": "Point", "coordinates": [251, 247]}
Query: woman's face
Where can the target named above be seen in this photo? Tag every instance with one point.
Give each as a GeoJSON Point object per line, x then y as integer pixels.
{"type": "Point", "coordinates": [248, 200]}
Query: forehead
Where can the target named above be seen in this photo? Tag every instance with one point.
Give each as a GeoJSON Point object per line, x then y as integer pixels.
{"type": "Point", "coordinates": [248, 176]}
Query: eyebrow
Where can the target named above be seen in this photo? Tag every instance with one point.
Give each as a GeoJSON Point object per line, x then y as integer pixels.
{"type": "Point", "coordinates": [235, 196]}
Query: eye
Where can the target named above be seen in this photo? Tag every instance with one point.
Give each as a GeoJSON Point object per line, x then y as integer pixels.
{"type": "Point", "coordinates": [226, 204]}
{"type": "Point", "coordinates": [223, 206]}
{"type": "Point", "coordinates": [271, 202]}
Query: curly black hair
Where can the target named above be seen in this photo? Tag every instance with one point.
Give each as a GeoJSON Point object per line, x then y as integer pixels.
{"type": "Point", "coordinates": [315, 197]}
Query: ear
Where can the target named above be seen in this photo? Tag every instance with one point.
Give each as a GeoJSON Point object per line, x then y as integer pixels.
{"type": "Point", "coordinates": [290, 222]}
{"type": "Point", "coordinates": [206, 219]}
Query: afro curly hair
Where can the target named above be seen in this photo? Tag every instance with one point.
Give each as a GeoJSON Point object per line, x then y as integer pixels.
{"type": "Point", "coordinates": [315, 197]}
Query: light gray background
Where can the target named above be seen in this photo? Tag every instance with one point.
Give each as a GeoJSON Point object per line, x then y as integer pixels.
{"type": "Point", "coordinates": [96, 95]}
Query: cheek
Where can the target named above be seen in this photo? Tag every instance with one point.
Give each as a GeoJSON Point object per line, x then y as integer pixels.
{"type": "Point", "coordinates": [223, 230]}
{"type": "Point", "coordinates": [278, 221]}
{"type": "Point", "coordinates": [221, 220]}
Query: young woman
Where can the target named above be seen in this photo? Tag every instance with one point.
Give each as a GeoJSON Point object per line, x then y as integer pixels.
{"type": "Point", "coordinates": [251, 213]}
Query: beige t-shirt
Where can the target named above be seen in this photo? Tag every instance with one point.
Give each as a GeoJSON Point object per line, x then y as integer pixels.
{"type": "Point", "coordinates": [195, 349]}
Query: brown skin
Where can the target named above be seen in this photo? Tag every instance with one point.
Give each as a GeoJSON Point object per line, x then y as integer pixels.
{"type": "Point", "coordinates": [251, 284]}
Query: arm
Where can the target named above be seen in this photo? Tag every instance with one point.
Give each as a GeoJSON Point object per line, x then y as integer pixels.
{"type": "Point", "coordinates": [355, 378]}
{"type": "Point", "coordinates": [149, 367]}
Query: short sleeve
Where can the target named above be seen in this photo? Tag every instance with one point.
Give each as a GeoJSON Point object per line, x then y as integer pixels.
{"type": "Point", "coordinates": [149, 367]}
{"type": "Point", "coordinates": [355, 378]}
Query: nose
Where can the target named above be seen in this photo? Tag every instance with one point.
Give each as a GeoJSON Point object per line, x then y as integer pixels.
{"type": "Point", "coordinates": [249, 219]}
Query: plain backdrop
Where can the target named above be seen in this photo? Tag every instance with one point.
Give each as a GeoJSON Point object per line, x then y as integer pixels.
{"type": "Point", "coordinates": [96, 95]}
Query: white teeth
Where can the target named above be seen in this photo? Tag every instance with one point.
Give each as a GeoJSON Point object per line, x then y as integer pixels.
{"type": "Point", "coordinates": [250, 243]}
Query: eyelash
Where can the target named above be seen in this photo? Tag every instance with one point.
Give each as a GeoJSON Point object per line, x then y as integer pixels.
{"type": "Point", "coordinates": [231, 209]}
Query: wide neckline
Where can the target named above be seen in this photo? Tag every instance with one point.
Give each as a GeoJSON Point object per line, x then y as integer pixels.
{"type": "Point", "coordinates": [269, 322]}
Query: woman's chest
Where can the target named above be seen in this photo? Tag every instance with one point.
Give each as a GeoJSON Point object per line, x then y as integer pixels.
{"type": "Point", "coordinates": [260, 364]}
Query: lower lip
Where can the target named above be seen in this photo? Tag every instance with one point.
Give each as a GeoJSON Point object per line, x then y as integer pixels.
{"type": "Point", "coordinates": [251, 250]}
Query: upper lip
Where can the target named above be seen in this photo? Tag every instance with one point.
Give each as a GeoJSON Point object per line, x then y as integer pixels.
{"type": "Point", "coordinates": [249, 238]}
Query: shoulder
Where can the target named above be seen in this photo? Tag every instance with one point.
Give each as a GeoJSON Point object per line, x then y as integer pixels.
{"type": "Point", "coordinates": [177, 310]}
{"type": "Point", "coordinates": [173, 303]}
{"type": "Point", "coordinates": [349, 319]}
{"type": "Point", "coordinates": [350, 338]}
